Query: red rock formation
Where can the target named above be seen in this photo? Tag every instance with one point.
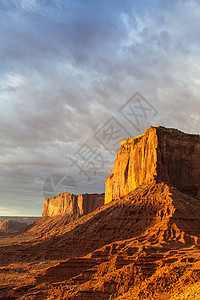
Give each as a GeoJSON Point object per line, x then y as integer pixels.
{"type": "Point", "coordinates": [160, 154]}
{"type": "Point", "coordinates": [11, 225]}
{"type": "Point", "coordinates": [143, 245]}
{"type": "Point", "coordinates": [137, 247]}
{"type": "Point", "coordinates": [70, 204]}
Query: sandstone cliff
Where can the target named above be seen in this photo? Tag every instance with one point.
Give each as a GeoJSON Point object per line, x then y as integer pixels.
{"type": "Point", "coordinates": [143, 245]}
{"type": "Point", "coordinates": [160, 154]}
{"type": "Point", "coordinates": [72, 205]}
{"type": "Point", "coordinates": [137, 247]}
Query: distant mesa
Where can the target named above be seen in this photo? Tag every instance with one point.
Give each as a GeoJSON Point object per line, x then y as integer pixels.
{"type": "Point", "coordinates": [22, 219]}
{"type": "Point", "coordinates": [12, 225]}
{"type": "Point", "coordinates": [159, 155]}
{"type": "Point", "coordinates": [72, 205]}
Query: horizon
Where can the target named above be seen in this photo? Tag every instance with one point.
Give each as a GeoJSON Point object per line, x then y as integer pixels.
{"type": "Point", "coordinates": [30, 216]}
{"type": "Point", "coordinates": [77, 78]}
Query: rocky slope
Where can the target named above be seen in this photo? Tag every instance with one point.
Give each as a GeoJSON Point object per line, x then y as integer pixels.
{"type": "Point", "coordinates": [141, 246]}
{"type": "Point", "coordinates": [144, 244]}
{"type": "Point", "coordinates": [72, 205]}
{"type": "Point", "coordinates": [160, 154]}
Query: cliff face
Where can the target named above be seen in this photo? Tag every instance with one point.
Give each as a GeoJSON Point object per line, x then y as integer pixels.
{"type": "Point", "coordinates": [160, 154]}
{"type": "Point", "coordinates": [70, 204]}
{"type": "Point", "coordinates": [144, 245]}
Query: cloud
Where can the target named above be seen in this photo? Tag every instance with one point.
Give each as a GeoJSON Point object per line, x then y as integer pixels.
{"type": "Point", "coordinates": [29, 5]}
{"type": "Point", "coordinates": [67, 67]}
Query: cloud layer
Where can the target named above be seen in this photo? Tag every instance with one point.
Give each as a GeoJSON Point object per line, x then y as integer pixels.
{"type": "Point", "coordinates": [68, 66]}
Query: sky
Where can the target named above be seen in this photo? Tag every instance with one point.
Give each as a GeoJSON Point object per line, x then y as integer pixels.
{"type": "Point", "coordinates": [76, 77]}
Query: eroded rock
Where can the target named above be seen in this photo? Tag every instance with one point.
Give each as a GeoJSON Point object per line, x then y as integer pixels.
{"type": "Point", "coordinates": [160, 154]}
{"type": "Point", "coordinates": [70, 204]}
{"type": "Point", "coordinates": [12, 225]}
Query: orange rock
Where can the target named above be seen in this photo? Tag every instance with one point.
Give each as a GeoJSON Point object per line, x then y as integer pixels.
{"type": "Point", "coordinates": [144, 245]}
{"type": "Point", "coordinates": [70, 204]}
{"type": "Point", "coordinates": [160, 154]}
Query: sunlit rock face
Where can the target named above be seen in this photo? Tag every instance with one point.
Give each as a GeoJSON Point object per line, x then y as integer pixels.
{"type": "Point", "coordinates": [70, 204]}
{"type": "Point", "coordinates": [160, 154]}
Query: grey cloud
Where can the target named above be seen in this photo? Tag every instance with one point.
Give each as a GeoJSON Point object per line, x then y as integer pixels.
{"type": "Point", "coordinates": [81, 62]}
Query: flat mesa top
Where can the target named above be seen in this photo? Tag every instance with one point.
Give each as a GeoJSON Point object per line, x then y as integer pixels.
{"type": "Point", "coordinates": [129, 140]}
{"type": "Point", "coordinates": [170, 131]}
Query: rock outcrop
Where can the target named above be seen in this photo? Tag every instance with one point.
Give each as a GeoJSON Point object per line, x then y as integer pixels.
{"type": "Point", "coordinates": [11, 225]}
{"type": "Point", "coordinates": [160, 154]}
{"type": "Point", "coordinates": [72, 205]}
{"type": "Point", "coordinates": [28, 220]}
{"type": "Point", "coordinates": [143, 245]}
